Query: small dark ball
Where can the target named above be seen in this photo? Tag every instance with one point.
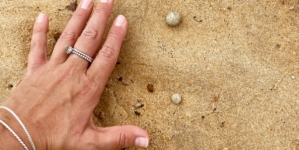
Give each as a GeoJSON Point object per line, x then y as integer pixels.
{"type": "Point", "coordinates": [150, 87]}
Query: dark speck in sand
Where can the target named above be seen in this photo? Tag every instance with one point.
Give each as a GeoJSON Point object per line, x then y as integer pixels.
{"type": "Point", "coordinates": [150, 87]}
{"type": "Point", "coordinates": [72, 6]}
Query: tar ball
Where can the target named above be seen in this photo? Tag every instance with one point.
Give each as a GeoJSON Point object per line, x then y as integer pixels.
{"type": "Point", "coordinates": [176, 98]}
{"type": "Point", "coordinates": [173, 18]}
{"type": "Point", "coordinates": [150, 87]}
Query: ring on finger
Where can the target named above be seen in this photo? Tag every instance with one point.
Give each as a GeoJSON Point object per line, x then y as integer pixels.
{"type": "Point", "coordinates": [70, 50]}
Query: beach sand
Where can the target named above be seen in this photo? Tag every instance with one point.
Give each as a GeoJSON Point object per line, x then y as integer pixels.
{"type": "Point", "coordinates": [235, 64]}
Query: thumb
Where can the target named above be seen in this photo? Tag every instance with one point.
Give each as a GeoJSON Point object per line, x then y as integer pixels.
{"type": "Point", "coordinates": [121, 137]}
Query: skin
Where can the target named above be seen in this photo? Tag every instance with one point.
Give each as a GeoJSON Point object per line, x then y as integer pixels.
{"type": "Point", "coordinates": [56, 98]}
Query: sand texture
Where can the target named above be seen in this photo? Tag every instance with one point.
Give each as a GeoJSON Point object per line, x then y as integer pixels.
{"type": "Point", "coordinates": [234, 62]}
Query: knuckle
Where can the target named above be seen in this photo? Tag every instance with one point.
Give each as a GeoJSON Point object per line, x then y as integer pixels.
{"type": "Point", "coordinates": [114, 35]}
{"type": "Point", "coordinates": [123, 140]}
{"type": "Point", "coordinates": [108, 51]}
{"type": "Point", "coordinates": [37, 44]}
{"type": "Point", "coordinates": [100, 11]}
{"type": "Point", "coordinates": [90, 33]}
{"type": "Point", "coordinates": [79, 16]}
{"type": "Point", "coordinates": [68, 36]}
{"type": "Point", "coordinates": [38, 30]}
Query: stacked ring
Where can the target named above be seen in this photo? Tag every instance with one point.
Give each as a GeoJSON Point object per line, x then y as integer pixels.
{"type": "Point", "coordinates": [70, 50]}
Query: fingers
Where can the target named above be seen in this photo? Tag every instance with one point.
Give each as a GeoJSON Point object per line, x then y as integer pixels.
{"type": "Point", "coordinates": [105, 61]}
{"type": "Point", "coordinates": [121, 137]}
{"type": "Point", "coordinates": [38, 49]}
{"type": "Point", "coordinates": [72, 31]}
{"type": "Point", "coordinates": [90, 39]}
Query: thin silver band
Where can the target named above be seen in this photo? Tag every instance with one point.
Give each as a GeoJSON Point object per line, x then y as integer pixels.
{"type": "Point", "coordinates": [70, 50]}
{"type": "Point", "coordinates": [22, 124]}
{"type": "Point", "coordinates": [14, 134]}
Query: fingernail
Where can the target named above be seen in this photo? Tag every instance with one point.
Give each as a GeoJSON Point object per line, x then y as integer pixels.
{"type": "Point", "coordinates": [104, 1]}
{"type": "Point", "coordinates": [85, 4]}
{"type": "Point", "coordinates": [141, 142]}
{"type": "Point", "coordinates": [40, 18]}
{"type": "Point", "coordinates": [120, 20]}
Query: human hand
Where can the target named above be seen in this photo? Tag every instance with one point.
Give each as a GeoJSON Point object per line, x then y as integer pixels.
{"type": "Point", "coordinates": [56, 98]}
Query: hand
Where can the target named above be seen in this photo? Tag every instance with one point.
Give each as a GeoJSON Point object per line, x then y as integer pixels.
{"type": "Point", "coordinates": [56, 98]}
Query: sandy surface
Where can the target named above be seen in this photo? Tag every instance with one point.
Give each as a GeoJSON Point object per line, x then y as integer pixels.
{"type": "Point", "coordinates": [235, 63]}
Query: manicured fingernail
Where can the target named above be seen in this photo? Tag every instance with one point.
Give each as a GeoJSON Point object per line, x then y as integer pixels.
{"type": "Point", "coordinates": [104, 1]}
{"type": "Point", "coordinates": [120, 20]}
{"type": "Point", "coordinates": [141, 142]}
{"type": "Point", "coordinates": [85, 4]}
{"type": "Point", "coordinates": [40, 18]}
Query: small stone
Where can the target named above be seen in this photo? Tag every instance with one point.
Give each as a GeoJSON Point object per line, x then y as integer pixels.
{"type": "Point", "coordinates": [292, 8]}
{"type": "Point", "coordinates": [137, 113]}
{"type": "Point", "coordinates": [150, 87]}
{"type": "Point", "coordinates": [173, 18]}
{"type": "Point", "coordinates": [176, 98]}
{"type": "Point", "coordinates": [138, 105]}
{"type": "Point", "coordinates": [72, 6]}
{"type": "Point", "coordinates": [120, 78]}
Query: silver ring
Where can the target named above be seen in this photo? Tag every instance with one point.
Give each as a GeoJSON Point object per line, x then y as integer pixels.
{"type": "Point", "coordinates": [70, 50]}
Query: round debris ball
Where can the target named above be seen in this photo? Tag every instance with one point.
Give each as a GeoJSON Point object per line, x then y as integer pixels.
{"type": "Point", "coordinates": [173, 18]}
{"type": "Point", "coordinates": [150, 87]}
{"type": "Point", "coordinates": [176, 98]}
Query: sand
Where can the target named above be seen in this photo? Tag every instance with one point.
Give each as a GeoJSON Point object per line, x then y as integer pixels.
{"type": "Point", "coordinates": [235, 64]}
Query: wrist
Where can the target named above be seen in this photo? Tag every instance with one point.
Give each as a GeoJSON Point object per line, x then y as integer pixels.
{"type": "Point", "coordinates": [13, 123]}
{"type": "Point", "coordinates": [7, 139]}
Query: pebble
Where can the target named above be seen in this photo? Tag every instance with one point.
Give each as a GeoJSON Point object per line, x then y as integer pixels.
{"type": "Point", "coordinates": [138, 105]}
{"type": "Point", "coordinates": [173, 18]}
{"type": "Point", "coordinates": [150, 87]}
{"type": "Point", "coordinates": [176, 98]}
